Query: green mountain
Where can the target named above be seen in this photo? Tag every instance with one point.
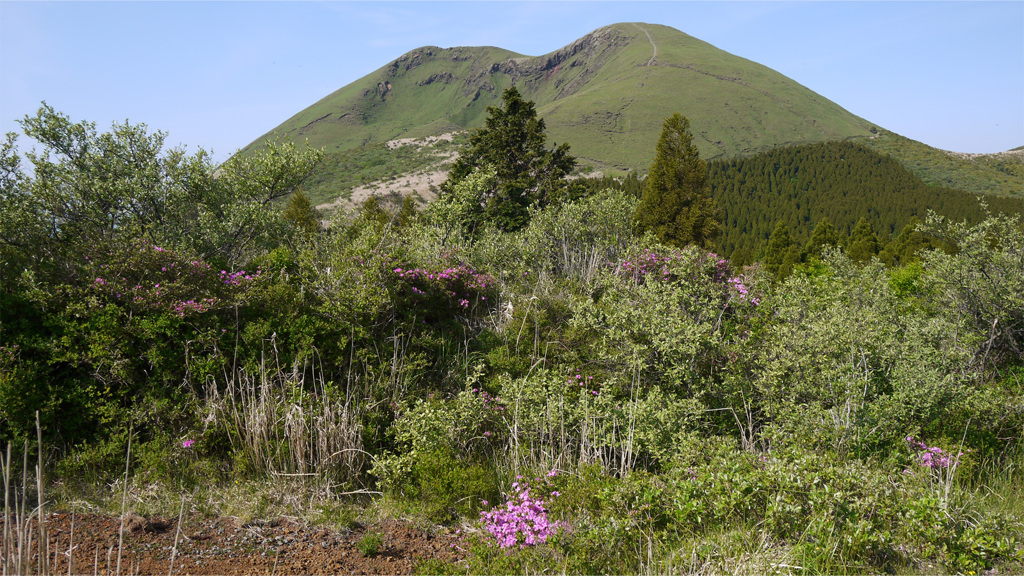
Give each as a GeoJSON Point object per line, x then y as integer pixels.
{"type": "Point", "coordinates": [605, 94]}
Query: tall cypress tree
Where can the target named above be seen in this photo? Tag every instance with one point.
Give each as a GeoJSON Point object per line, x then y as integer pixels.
{"type": "Point", "coordinates": [863, 242]}
{"type": "Point", "coordinates": [775, 253]}
{"type": "Point", "coordinates": [824, 235]}
{"type": "Point", "coordinates": [675, 204]}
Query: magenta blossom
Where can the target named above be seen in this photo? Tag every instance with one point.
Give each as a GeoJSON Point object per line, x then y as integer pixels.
{"type": "Point", "coordinates": [523, 521]}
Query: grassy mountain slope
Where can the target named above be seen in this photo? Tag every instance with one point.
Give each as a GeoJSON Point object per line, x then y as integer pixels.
{"type": "Point", "coordinates": [735, 106]}
{"type": "Point", "coordinates": [1000, 174]}
{"type": "Point", "coordinates": [606, 94]}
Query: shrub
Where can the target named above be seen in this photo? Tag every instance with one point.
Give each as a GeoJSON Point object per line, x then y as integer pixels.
{"type": "Point", "coordinates": [983, 281]}
{"type": "Point", "coordinates": [444, 454]}
{"type": "Point", "coordinates": [838, 361]}
{"type": "Point", "coordinates": [450, 487]}
{"type": "Point", "coordinates": [370, 544]}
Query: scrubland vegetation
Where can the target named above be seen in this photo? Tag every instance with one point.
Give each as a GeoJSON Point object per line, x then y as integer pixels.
{"type": "Point", "coordinates": [571, 395]}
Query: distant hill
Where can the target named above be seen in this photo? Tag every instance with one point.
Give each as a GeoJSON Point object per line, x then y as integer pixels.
{"type": "Point", "coordinates": [1001, 173]}
{"type": "Point", "coordinates": [606, 94]}
{"type": "Point", "coordinates": [841, 181]}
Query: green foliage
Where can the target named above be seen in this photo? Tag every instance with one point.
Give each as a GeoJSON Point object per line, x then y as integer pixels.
{"type": "Point", "coordinates": [775, 260]}
{"type": "Point", "coordinates": [863, 244]}
{"type": "Point", "coordinates": [907, 247]}
{"type": "Point", "coordinates": [663, 315]}
{"type": "Point", "coordinates": [697, 417]}
{"type": "Point", "coordinates": [370, 544]}
{"type": "Point", "coordinates": [982, 281]}
{"type": "Point", "coordinates": [96, 191]}
{"type": "Point", "coordinates": [675, 205]}
{"type": "Point", "coordinates": [457, 210]}
{"type": "Point", "coordinates": [995, 175]}
{"type": "Point", "coordinates": [301, 215]}
{"type": "Point", "coordinates": [855, 364]}
{"type": "Point", "coordinates": [450, 488]}
{"type": "Point", "coordinates": [525, 173]}
{"type": "Point", "coordinates": [576, 239]}
{"type": "Point", "coordinates": [443, 447]}
{"type": "Point", "coordinates": [824, 234]}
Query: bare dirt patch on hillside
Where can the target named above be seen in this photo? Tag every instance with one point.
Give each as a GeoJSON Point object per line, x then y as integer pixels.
{"type": "Point", "coordinates": [227, 545]}
{"type": "Point", "coordinates": [421, 186]}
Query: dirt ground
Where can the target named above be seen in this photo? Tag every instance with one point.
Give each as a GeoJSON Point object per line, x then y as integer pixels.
{"type": "Point", "coordinates": [228, 546]}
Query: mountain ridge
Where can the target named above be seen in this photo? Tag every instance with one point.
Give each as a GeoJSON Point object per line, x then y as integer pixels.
{"type": "Point", "coordinates": [606, 94]}
{"type": "Point", "coordinates": [609, 89]}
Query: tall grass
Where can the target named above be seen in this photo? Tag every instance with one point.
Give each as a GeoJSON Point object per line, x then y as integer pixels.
{"type": "Point", "coordinates": [25, 526]}
{"type": "Point", "coordinates": [554, 426]}
{"type": "Point", "coordinates": [288, 424]}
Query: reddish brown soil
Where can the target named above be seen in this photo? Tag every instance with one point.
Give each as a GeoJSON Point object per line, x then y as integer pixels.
{"type": "Point", "coordinates": [227, 546]}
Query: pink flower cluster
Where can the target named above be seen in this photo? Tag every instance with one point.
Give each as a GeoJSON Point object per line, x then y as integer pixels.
{"type": "Point", "coordinates": [582, 381]}
{"type": "Point", "coordinates": [931, 457]}
{"type": "Point", "coordinates": [458, 282]}
{"type": "Point", "coordinates": [652, 264]}
{"type": "Point", "coordinates": [741, 289]}
{"type": "Point", "coordinates": [154, 278]}
{"type": "Point", "coordinates": [182, 307]}
{"type": "Point", "coordinates": [523, 521]}
{"type": "Point", "coordinates": [236, 278]}
{"type": "Point", "coordinates": [492, 403]}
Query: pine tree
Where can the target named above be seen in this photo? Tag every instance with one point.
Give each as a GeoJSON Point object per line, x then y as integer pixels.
{"type": "Point", "coordinates": [675, 204]}
{"type": "Point", "coordinates": [526, 173]}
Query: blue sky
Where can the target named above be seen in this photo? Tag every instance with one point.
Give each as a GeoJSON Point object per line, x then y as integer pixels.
{"type": "Point", "coordinates": [218, 75]}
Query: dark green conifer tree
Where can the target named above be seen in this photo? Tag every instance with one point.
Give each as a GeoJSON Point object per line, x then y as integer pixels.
{"type": "Point", "coordinates": [906, 247]}
{"type": "Point", "coordinates": [794, 256]}
{"type": "Point", "coordinates": [863, 243]}
{"type": "Point", "coordinates": [407, 214]}
{"type": "Point", "coordinates": [301, 215]}
{"type": "Point", "coordinates": [777, 249]}
{"type": "Point", "coordinates": [675, 204]}
{"type": "Point", "coordinates": [824, 234]}
{"type": "Point", "coordinates": [527, 173]}
{"type": "Point", "coordinates": [371, 213]}
{"type": "Point", "coordinates": [740, 257]}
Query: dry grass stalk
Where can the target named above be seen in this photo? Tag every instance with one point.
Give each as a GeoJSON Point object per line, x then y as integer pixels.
{"type": "Point", "coordinates": [124, 500]}
{"type": "Point", "coordinates": [285, 424]}
{"type": "Point", "coordinates": [44, 541]}
{"type": "Point", "coordinates": [177, 535]}
{"type": "Point", "coordinates": [25, 525]}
